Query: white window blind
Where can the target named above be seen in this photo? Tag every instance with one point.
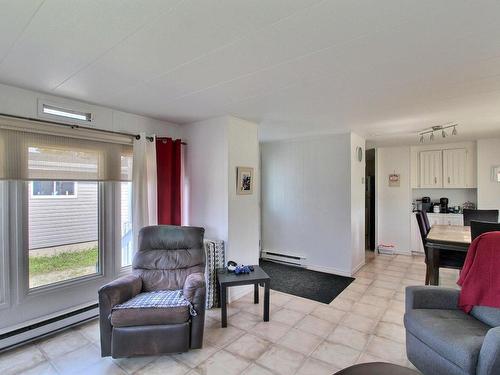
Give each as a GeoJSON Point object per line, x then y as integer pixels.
{"type": "Point", "coordinates": [42, 152]}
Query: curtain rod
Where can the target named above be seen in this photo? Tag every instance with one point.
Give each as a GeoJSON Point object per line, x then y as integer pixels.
{"type": "Point", "coordinates": [151, 139]}
{"type": "Point", "coordinates": [75, 126]}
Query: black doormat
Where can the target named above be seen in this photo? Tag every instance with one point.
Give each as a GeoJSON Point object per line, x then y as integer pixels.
{"type": "Point", "coordinates": [318, 286]}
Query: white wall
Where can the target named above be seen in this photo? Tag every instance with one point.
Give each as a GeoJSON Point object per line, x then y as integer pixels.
{"type": "Point", "coordinates": [488, 156]}
{"type": "Point", "coordinates": [306, 200]}
{"type": "Point", "coordinates": [206, 176]}
{"type": "Point", "coordinates": [393, 203]}
{"type": "Point", "coordinates": [21, 102]}
{"type": "Point", "coordinates": [215, 148]}
{"type": "Point", "coordinates": [357, 203]}
{"type": "Point", "coordinates": [244, 211]}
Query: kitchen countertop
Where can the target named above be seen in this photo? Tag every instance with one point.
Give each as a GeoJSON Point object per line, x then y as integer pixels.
{"type": "Point", "coordinates": [442, 213]}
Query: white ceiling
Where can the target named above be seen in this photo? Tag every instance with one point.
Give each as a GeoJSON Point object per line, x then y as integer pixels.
{"type": "Point", "coordinates": [384, 69]}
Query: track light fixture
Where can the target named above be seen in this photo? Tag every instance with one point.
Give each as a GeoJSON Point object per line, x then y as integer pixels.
{"type": "Point", "coordinates": [441, 128]}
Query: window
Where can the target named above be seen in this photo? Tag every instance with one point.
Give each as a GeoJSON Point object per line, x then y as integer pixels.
{"type": "Point", "coordinates": [66, 113]}
{"type": "Point", "coordinates": [53, 189]}
{"type": "Point", "coordinates": [60, 219]}
{"type": "Point", "coordinates": [63, 236]}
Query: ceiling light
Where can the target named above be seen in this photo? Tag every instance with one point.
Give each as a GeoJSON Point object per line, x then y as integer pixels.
{"type": "Point", "coordinates": [436, 129]}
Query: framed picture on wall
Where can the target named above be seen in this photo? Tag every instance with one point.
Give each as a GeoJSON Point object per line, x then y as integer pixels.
{"type": "Point", "coordinates": [394, 180]}
{"type": "Point", "coordinates": [244, 185]}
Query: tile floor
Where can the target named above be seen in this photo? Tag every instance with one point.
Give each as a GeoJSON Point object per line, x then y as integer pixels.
{"type": "Point", "coordinates": [363, 324]}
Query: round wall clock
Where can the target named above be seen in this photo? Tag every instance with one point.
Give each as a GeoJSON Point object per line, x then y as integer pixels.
{"type": "Point", "coordinates": [359, 153]}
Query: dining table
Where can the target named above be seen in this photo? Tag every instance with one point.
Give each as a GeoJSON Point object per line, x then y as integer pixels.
{"type": "Point", "coordinates": [442, 239]}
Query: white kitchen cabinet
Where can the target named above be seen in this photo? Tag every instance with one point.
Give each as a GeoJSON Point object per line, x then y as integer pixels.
{"type": "Point", "coordinates": [445, 219]}
{"type": "Point", "coordinates": [435, 219]}
{"type": "Point", "coordinates": [455, 168]}
{"type": "Point", "coordinates": [458, 166]}
{"type": "Point", "coordinates": [431, 169]}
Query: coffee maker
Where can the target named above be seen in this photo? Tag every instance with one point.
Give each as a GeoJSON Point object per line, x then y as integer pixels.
{"type": "Point", "coordinates": [443, 205]}
{"type": "Point", "coordinates": [426, 204]}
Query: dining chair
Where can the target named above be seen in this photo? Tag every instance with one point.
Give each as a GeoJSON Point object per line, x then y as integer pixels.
{"type": "Point", "coordinates": [426, 221]}
{"type": "Point", "coordinates": [447, 259]}
{"type": "Point", "coordinates": [480, 215]}
{"type": "Point", "coordinates": [423, 236]}
{"type": "Point", "coordinates": [479, 227]}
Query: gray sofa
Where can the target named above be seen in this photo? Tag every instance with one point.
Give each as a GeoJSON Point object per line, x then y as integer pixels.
{"type": "Point", "coordinates": [169, 258]}
{"type": "Point", "coordinates": [443, 340]}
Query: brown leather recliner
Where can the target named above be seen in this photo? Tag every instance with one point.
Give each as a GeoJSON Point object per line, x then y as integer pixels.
{"type": "Point", "coordinates": [169, 258]}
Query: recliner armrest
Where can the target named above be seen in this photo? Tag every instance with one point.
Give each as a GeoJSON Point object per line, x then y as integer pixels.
{"type": "Point", "coordinates": [489, 356]}
{"type": "Point", "coordinates": [194, 288]}
{"type": "Point", "coordinates": [431, 297]}
{"type": "Point", "coordinates": [110, 295]}
{"type": "Point", "coordinates": [119, 290]}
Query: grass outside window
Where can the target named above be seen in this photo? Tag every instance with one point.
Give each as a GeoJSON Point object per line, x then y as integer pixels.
{"type": "Point", "coordinates": [63, 261]}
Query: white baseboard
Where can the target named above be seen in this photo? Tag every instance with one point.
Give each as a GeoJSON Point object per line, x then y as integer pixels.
{"type": "Point", "coordinates": [396, 252]}
{"type": "Point", "coordinates": [358, 267]}
{"type": "Point", "coordinates": [417, 253]}
{"type": "Point", "coordinates": [332, 270]}
{"type": "Point", "coordinates": [49, 328]}
{"type": "Point", "coordinates": [402, 252]}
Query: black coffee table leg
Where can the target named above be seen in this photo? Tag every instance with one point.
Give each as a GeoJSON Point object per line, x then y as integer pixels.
{"type": "Point", "coordinates": [256, 293]}
{"type": "Point", "coordinates": [223, 305]}
{"type": "Point", "coordinates": [266, 301]}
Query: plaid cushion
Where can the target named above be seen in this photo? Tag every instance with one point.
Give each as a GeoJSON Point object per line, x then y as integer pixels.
{"type": "Point", "coordinates": [158, 299]}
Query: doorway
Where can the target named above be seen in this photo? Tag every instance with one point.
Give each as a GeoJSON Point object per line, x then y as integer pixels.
{"type": "Point", "coordinates": [370, 200]}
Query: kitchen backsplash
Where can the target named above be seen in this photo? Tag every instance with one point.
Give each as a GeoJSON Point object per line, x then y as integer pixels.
{"type": "Point", "coordinates": [456, 197]}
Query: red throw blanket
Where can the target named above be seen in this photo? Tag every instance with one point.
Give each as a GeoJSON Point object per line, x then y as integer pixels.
{"type": "Point", "coordinates": [480, 276]}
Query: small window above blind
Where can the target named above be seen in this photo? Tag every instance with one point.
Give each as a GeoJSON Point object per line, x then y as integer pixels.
{"type": "Point", "coordinates": [66, 113]}
{"type": "Point", "coordinates": [26, 155]}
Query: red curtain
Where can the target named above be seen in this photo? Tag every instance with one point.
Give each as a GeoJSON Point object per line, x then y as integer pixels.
{"type": "Point", "coordinates": [168, 165]}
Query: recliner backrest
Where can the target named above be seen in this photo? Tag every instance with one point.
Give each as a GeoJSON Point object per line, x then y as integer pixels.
{"type": "Point", "coordinates": [167, 254]}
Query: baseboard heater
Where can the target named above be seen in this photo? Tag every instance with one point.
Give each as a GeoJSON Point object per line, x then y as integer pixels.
{"type": "Point", "coordinates": [293, 259]}
{"type": "Point", "coordinates": [34, 331]}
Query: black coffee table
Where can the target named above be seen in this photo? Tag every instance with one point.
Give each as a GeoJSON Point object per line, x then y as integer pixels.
{"type": "Point", "coordinates": [227, 279]}
{"type": "Point", "coordinates": [377, 368]}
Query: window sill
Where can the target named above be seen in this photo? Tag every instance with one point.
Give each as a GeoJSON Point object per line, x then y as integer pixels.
{"type": "Point", "coordinates": [46, 289]}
